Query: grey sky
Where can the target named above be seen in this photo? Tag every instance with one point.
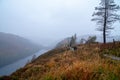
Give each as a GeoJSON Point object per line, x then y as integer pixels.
{"type": "Point", "coordinates": [46, 21]}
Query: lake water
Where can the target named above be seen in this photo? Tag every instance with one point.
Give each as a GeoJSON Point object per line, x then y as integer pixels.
{"type": "Point", "coordinates": [9, 69]}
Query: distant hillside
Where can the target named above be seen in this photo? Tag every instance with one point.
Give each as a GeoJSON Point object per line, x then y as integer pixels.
{"type": "Point", "coordinates": [63, 42]}
{"type": "Point", "coordinates": [13, 47]}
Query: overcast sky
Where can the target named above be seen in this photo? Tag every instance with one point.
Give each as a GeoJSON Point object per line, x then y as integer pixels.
{"type": "Point", "coordinates": [47, 21]}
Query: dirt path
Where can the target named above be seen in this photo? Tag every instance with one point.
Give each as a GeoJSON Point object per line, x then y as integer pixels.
{"type": "Point", "coordinates": [112, 57]}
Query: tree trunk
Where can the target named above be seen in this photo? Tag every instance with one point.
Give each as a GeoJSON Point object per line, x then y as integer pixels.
{"type": "Point", "coordinates": [104, 35]}
{"type": "Point", "coordinates": [104, 29]}
{"type": "Point", "coordinates": [105, 24]}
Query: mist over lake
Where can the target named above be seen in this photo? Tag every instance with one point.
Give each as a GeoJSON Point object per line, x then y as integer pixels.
{"type": "Point", "coordinates": [59, 40]}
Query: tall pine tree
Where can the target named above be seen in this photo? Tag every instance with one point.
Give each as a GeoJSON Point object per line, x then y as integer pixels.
{"type": "Point", "coordinates": [106, 16]}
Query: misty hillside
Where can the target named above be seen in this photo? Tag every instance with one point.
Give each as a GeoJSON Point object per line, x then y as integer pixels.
{"type": "Point", "coordinates": [86, 63]}
{"type": "Point", "coordinates": [13, 47]}
{"type": "Point", "coordinates": [99, 39]}
{"type": "Point", "coordinates": [62, 43]}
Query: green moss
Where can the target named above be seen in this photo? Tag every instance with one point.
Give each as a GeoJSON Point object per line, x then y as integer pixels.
{"type": "Point", "coordinates": [112, 76]}
{"type": "Point", "coordinates": [102, 74]}
{"type": "Point", "coordinates": [114, 51]}
{"type": "Point", "coordinates": [49, 78]}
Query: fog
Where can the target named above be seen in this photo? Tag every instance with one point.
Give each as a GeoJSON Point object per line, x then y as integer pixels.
{"type": "Point", "coordinates": [48, 21]}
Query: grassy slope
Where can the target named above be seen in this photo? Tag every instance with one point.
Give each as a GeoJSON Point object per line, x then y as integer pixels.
{"type": "Point", "coordinates": [85, 63]}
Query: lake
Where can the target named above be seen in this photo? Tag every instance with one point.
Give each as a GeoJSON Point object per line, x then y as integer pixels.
{"type": "Point", "coordinates": [9, 69]}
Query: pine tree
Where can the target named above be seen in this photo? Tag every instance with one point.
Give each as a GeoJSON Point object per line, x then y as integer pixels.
{"type": "Point", "coordinates": [106, 16]}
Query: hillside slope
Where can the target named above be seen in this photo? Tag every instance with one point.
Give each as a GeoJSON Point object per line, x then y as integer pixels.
{"type": "Point", "coordinates": [13, 47]}
{"type": "Point", "coordinates": [86, 63]}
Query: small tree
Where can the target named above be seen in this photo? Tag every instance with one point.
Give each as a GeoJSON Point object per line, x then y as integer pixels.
{"type": "Point", "coordinates": [106, 16]}
{"type": "Point", "coordinates": [73, 41]}
{"type": "Point", "coordinates": [82, 41]}
{"type": "Point", "coordinates": [91, 39]}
